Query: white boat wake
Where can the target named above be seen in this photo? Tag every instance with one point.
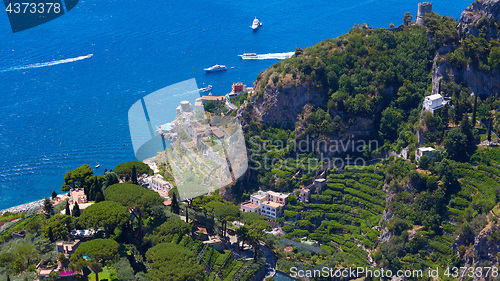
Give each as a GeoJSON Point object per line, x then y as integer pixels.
{"type": "Point", "coordinates": [272, 56]}
{"type": "Point", "coordinates": [44, 64]}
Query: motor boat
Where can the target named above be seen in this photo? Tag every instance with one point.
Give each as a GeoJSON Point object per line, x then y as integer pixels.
{"type": "Point", "coordinates": [216, 67]}
{"type": "Point", "coordinates": [256, 23]}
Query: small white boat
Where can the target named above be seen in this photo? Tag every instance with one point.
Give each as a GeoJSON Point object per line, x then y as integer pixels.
{"type": "Point", "coordinates": [256, 23]}
{"type": "Point", "coordinates": [97, 166]}
{"type": "Point", "coordinates": [216, 67]}
{"type": "Point", "coordinates": [89, 55]}
{"type": "Point", "coordinates": [206, 89]}
{"type": "Point", "coordinates": [248, 55]}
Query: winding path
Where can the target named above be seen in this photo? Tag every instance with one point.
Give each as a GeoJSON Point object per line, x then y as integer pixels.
{"type": "Point", "coordinates": [270, 264]}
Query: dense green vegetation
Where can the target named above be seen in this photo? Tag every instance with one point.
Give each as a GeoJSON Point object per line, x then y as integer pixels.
{"type": "Point", "coordinates": [125, 169]}
{"type": "Point", "coordinates": [383, 76]}
{"type": "Point", "coordinates": [342, 217]}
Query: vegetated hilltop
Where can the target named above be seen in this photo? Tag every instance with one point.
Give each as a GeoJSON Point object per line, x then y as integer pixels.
{"type": "Point", "coordinates": [343, 85]}
{"type": "Point", "coordinates": [370, 84]}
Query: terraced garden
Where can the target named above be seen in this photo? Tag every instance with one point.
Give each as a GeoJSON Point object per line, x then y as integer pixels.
{"type": "Point", "coordinates": [219, 266]}
{"type": "Point", "coordinates": [343, 217]}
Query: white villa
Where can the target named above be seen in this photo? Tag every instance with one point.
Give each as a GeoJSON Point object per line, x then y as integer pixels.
{"type": "Point", "coordinates": [421, 151]}
{"type": "Point", "coordinates": [434, 102]}
{"type": "Point", "coordinates": [266, 203]}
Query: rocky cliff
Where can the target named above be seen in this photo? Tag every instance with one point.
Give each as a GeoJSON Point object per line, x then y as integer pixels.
{"type": "Point", "coordinates": [472, 16]}
{"type": "Point", "coordinates": [480, 15]}
{"type": "Point", "coordinates": [282, 105]}
{"type": "Point", "coordinates": [479, 82]}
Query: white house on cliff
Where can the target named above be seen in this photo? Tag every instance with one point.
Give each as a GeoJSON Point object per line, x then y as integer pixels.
{"type": "Point", "coordinates": [434, 102]}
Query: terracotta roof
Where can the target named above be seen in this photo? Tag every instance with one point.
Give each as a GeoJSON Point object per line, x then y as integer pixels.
{"type": "Point", "coordinates": [249, 204]}
{"type": "Point", "coordinates": [167, 203]}
{"type": "Point", "coordinates": [271, 204]}
{"type": "Point", "coordinates": [201, 229]}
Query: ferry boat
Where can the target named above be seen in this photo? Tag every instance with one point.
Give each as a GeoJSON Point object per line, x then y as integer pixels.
{"type": "Point", "coordinates": [248, 56]}
{"type": "Point", "coordinates": [216, 67]}
{"type": "Point", "coordinates": [256, 23]}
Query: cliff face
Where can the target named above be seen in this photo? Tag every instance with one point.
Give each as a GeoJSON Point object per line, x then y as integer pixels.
{"type": "Point", "coordinates": [490, 10]}
{"type": "Point", "coordinates": [479, 82]}
{"type": "Point", "coordinates": [479, 14]}
{"type": "Point", "coordinates": [290, 104]}
{"type": "Point", "coordinates": [483, 251]}
{"type": "Point", "coordinates": [282, 106]}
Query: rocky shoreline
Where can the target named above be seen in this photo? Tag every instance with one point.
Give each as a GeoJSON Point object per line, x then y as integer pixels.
{"type": "Point", "coordinates": [23, 208]}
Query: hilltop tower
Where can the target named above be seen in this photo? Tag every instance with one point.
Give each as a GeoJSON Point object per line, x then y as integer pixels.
{"type": "Point", "coordinates": [423, 9]}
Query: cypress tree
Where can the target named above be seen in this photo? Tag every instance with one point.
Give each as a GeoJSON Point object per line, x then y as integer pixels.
{"type": "Point", "coordinates": [76, 210]}
{"type": "Point", "coordinates": [47, 207]}
{"type": "Point", "coordinates": [68, 212]}
{"type": "Point", "coordinates": [445, 117]}
{"type": "Point", "coordinates": [490, 124]}
{"type": "Point", "coordinates": [54, 194]}
{"type": "Point", "coordinates": [187, 214]}
{"type": "Point", "coordinates": [50, 234]}
{"type": "Point", "coordinates": [175, 204]}
{"type": "Point", "coordinates": [466, 129]}
{"type": "Point", "coordinates": [94, 189]}
{"type": "Point", "coordinates": [99, 197]}
{"type": "Point", "coordinates": [8, 278]}
{"type": "Point", "coordinates": [134, 175]}
{"type": "Point", "coordinates": [474, 112]}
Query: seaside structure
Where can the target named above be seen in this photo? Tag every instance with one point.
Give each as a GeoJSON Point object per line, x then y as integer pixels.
{"type": "Point", "coordinates": [423, 9]}
{"type": "Point", "coordinates": [266, 203]}
{"type": "Point", "coordinates": [77, 195]}
{"type": "Point", "coordinates": [218, 100]}
{"type": "Point", "coordinates": [237, 89]}
{"type": "Point", "coordinates": [434, 102]}
{"type": "Point", "coordinates": [421, 151]}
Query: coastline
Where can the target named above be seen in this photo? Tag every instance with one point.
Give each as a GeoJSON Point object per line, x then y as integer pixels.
{"type": "Point", "coordinates": [23, 207]}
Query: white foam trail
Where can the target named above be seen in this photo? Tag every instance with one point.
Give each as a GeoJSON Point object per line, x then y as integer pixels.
{"type": "Point", "coordinates": [44, 64]}
{"type": "Point", "coordinates": [272, 56]}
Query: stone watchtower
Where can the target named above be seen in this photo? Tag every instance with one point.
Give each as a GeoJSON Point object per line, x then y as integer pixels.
{"type": "Point", "coordinates": [423, 9]}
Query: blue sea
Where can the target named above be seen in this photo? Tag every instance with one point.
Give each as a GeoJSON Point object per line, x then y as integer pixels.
{"type": "Point", "coordinates": [55, 117]}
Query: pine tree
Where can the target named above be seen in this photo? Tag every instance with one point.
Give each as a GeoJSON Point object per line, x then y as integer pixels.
{"type": "Point", "coordinates": [68, 212]}
{"type": "Point", "coordinates": [134, 175]}
{"type": "Point", "coordinates": [54, 194]}
{"type": "Point", "coordinates": [76, 210]}
{"type": "Point", "coordinates": [47, 208]}
{"type": "Point", "coordinates": [175, 204]}
{"type": "Point", "coordinates": [50, 234]}
{"type": "Point", "coordinates": [99, 197]}
{"type": "Point", "coordinates": [407, 19]}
